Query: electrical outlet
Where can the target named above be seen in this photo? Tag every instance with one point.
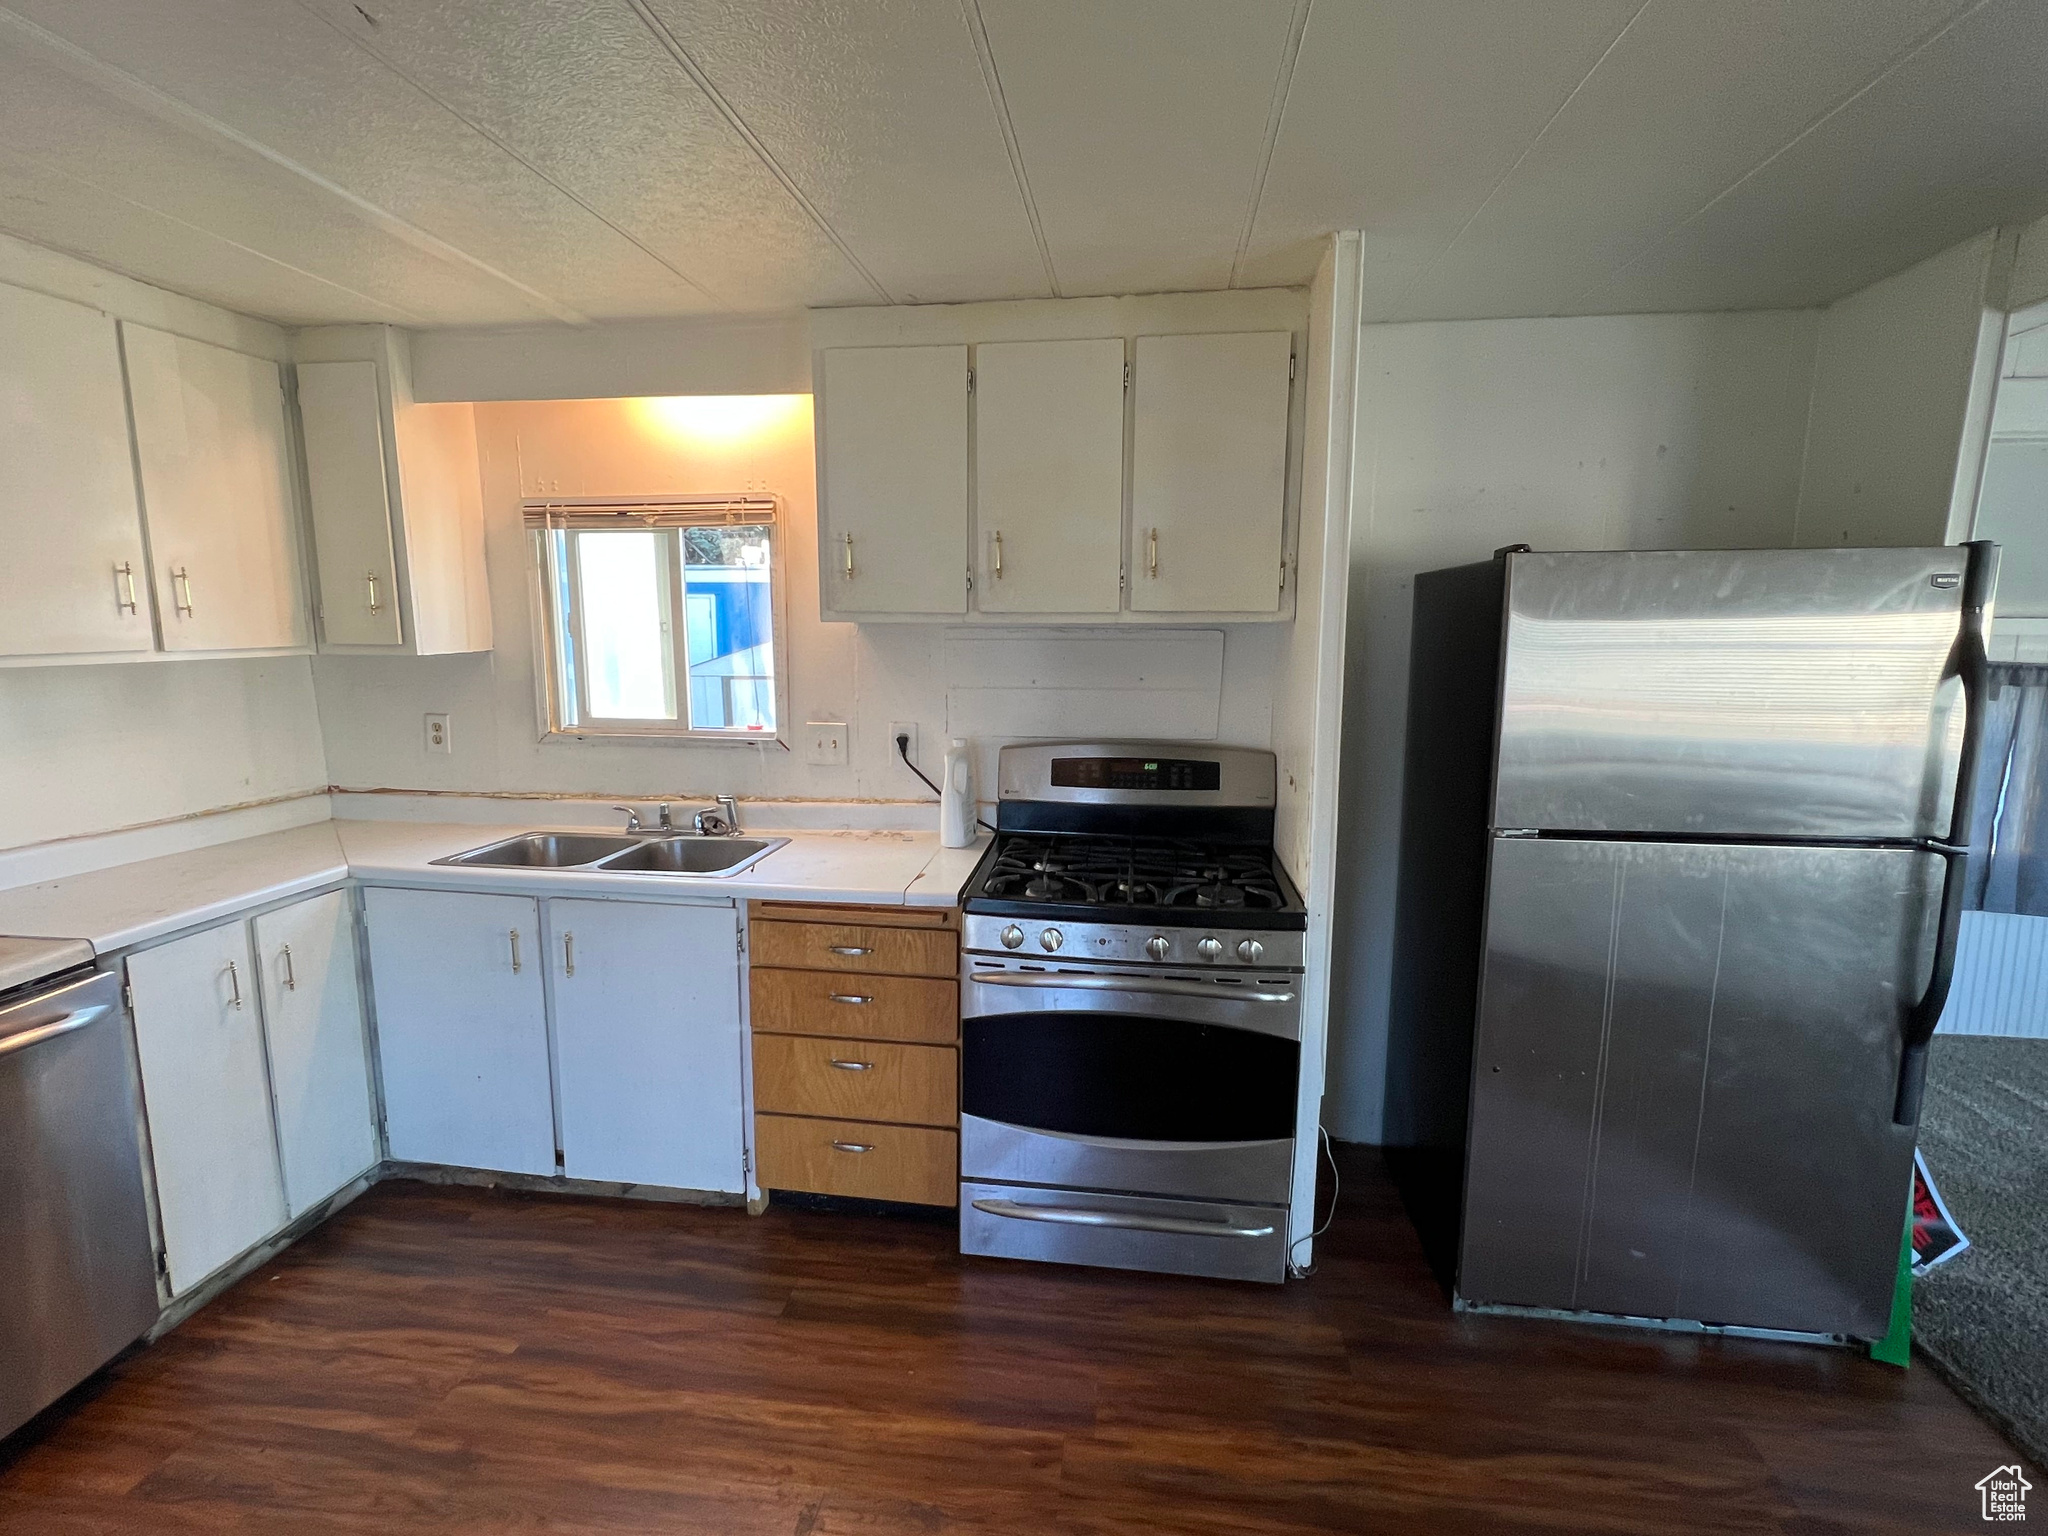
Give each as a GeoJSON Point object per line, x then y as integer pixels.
{"type": "Point", "coordinates": [904, 728]}
{"type": "Point", "coordinates": [825, 742]}
{"type": "Point", "coordinates": [438, 737]}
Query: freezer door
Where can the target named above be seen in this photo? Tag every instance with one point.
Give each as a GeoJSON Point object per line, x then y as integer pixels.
{"type": "Point", "coordinates": [1683, 1077]}
{"type": "Point", "coordinates": [1752, 693]}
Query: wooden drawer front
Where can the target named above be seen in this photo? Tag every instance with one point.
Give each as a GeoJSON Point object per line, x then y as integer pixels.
{"type": "Point", "coordinates": [852, 947]}
{"type": "Point", "coordinates": [831, 1003]}
{"type": "Point", "coordinates": [902, 1162]}
{"type": "Point", "coordinates": [832, 912]}
{"type": "Point", "coordinates": [857, 1080]}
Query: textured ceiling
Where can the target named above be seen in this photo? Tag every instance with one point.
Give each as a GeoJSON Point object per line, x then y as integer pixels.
{"type": "Point", "coordinates": [457, 162]}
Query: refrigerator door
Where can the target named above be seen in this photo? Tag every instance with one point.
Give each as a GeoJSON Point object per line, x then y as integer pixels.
{"type": "Point", "coordinates": [1683, 1080]}
{"type": "Point", "coordinates": [1745, 693]}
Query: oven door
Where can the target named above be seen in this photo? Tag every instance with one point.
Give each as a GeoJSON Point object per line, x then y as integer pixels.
{"type": "Point", "coordinates": [1126, 1081]}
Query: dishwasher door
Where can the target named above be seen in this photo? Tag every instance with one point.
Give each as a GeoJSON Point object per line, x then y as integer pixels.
{"type": "Point", "coordinates": [77, 1267]}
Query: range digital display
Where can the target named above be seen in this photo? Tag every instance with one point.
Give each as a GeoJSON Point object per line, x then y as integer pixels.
{"type": "Point", "coordinates": [1168, 773]}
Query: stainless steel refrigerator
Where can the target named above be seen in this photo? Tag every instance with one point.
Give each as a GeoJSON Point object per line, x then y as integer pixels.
{"type": "Point", "coordinates": [1681, 870]}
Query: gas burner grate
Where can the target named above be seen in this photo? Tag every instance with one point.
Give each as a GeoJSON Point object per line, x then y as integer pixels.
{"type": "Point", "coordinates": [1133, 872]}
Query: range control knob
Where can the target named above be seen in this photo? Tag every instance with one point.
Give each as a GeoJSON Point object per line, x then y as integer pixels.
{"type": "Point", "coordinates": [1157, 946]}
{"type": "Point", "coordinates": [1209, 948]}
{"type": "Point", "coordinates": [1051, 939]}
{"type": "Point", "coordinates": [1012, 936]}
{"type": "Point", "coordinates": [1249, 950]}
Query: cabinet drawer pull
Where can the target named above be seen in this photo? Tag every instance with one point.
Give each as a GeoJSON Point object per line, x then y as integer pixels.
{"type": "Point", "coordinates": [124, 588]}
{"type": "Point", "coordinates": [291, 973]}
{"type": "Point", "coordinates": [849, 949]}
{"type": "Point", "coordinates": [853, 1146]}
{"type": "Point", "coordinates": [853, 1066]}
{"type": "Point", "coordinates": [235, 982]}
{"type": "Point", "coordinates": [848, 997]}
{"type": "Point", "coordinates": [514, 932]}
{"type": "Point", "coordinates": [182, 593]}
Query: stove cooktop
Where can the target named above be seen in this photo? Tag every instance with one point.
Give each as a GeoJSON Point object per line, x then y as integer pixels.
{"type": "Point", "coordinates": [1090, 877]}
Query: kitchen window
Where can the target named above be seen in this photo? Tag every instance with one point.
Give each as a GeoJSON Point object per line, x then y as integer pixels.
{"type": "Point", "coordinates": [659, 618]}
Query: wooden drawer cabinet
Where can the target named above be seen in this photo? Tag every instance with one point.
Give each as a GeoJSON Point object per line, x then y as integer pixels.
{"type": "Point", "coordinates": [856, 1016]}
{"type": "Point", "coordinates": [866, 949]}
{"type": "Point", "coordinates": [912, 1163]}
{"type": "Point", "coordinates": [857, 1080]}
{"type": "Point", "coordinates": [856, 1007]}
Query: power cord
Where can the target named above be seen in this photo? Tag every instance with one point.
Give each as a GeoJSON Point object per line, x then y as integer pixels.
{"type": "Point", "coordinates": [903, 751]}
{"type": "Point", "coordinates": [1294, 1270]}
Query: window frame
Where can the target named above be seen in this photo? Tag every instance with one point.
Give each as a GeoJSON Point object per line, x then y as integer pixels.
{"type": "Point", "coordinates": [545, 519]}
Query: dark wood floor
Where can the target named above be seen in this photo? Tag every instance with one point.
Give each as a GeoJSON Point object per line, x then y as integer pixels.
{"type": "Point", "coordinates": [440, 1359]}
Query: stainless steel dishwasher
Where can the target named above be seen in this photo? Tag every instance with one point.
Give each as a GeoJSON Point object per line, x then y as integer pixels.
{"type": "Point", "coordinates": [77, 1266]}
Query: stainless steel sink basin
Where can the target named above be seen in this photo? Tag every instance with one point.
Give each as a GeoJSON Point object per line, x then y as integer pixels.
{"type": "Point", "coordinates": [692, 855]}
{"type": "Point", "coordinates": [545, 850]}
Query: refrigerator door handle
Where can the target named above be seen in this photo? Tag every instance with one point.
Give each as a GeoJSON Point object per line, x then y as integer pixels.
{"type": "Point", "coordinates": [1968, 661]}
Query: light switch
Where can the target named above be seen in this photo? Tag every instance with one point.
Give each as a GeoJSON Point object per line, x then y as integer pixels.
{"type": "Point", "coordinates": [825, 742]}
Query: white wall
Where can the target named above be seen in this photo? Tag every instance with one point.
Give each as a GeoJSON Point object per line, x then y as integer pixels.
{"type": "Point", "coordinates": [1901, 382]}
{"type": "Point", "coordinates": [1647, 431]}
{"type": "Point", "coordinates": [868, 676]}
{"type": "Point", "coordinates": [735, 355]}
{"type": "Point", "coordinates": [93, 748]}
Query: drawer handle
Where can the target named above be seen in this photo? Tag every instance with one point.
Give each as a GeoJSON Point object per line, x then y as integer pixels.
{"type": "Point", "coordinates": [1081, 1216]}
{"type": "Point", "coordinates": [848, 997]}
{"type": "Point", "coordinates": [850, 949]}
{"type": "Point", "coordinates": [853, 1146]}
{"type": "Point", "coordinates": [853, 1066]}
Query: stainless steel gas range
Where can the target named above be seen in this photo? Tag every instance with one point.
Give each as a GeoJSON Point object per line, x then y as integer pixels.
{"type": "Point", "coordinates": [1131, 1014]}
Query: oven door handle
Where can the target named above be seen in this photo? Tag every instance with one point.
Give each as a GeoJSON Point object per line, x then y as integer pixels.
{"type": "Point", "coordinates": [1076, 981]}
{"type": "Point", "coordinates": [1081, 1216]}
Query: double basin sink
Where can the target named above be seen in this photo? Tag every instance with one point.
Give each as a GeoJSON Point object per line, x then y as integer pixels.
{"type": "Point", "coordinates": [601, 854]}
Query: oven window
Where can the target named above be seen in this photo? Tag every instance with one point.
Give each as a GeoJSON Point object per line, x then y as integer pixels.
{"type": "Point", "coordinates": [1106, 1074]}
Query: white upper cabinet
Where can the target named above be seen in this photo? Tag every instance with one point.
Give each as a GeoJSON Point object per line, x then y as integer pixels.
{"type": "Point", "coordinates": [647, 1041]}
{"type": "Point", "coordinates": [1209, 472]}
{"type": "Point", "coordinates": [892, 481]}
{"type": "Point", "coordinates": [345, 464]}
{"type": "Point", "coordinates": [1049, 476]}
{"type": "Point", "coordinates": [396, 500]}
{"type": "Point", "coordinates": [217, 493]}
{"type": "Point", "coordinates": [76, 581]}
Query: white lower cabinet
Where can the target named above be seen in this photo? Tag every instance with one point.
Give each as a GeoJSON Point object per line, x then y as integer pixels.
{"type": "Point", "coordinates": [319, 1060]}
{"type": "Point", "coordinates": [647, 1042]}
{"type": "Point", "coordinates": [462, 1031]}
{"type": "Point", "coordinates": [255, 1077]}
{"type": "Point", "coordinates": [205, 1087]}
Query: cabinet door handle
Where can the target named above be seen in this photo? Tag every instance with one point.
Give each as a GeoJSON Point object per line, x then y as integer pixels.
{"type": "Point", "coordinates": [853, 1146]}
{"type": "Point", "coordinates": [235, 983]}
{"type": "Point", "coordinates": [849, 949]}
{"type": "Point", "coordinates": [376, 601]}
{"type": "Point", "coordinates": [853, 1066]}
{"type": "Point", "coordinates": [124, 588]}
{"type": "Point", "coordinates": [291, 974]}
{"type": "Point", "coordinates": [568, 954]}
{"type": "Point", "coordinates": [847, 997]}
{"type": "Point", "coordinates": [515, 950]}
{"type": "Point", "coordinates": [849, 557]}
{"type": "Point", "coordinates": [1152, 552]}
{"type": "Point", "coordinates": [182, 593]}
{"type": "Point", "coordinates": [999, 555]}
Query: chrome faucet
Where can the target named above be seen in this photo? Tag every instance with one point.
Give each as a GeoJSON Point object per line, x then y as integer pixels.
{"type": "Point", "coordinates": [723, 822]}
{"type": "Point", "coordinates": [633, 817]}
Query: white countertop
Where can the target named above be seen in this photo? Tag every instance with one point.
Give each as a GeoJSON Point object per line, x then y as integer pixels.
{"type": "Point", "coordinates": [135, 903]}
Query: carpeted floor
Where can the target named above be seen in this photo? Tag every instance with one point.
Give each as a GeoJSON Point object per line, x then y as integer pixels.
{"type": "Point", "coordinates": [1982, 1318]}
